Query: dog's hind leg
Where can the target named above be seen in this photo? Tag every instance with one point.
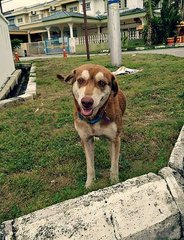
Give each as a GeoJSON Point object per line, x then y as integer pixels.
{"type": "Point", "coordinates": [89, 152]}
{"type": "Point", "coordinates": [114, 154]}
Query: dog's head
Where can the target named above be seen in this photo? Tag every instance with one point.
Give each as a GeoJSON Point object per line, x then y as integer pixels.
{"type": "Point", "coordinates": [92, 86]}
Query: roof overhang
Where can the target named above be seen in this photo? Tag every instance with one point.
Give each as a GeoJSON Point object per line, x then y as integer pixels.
{"type": "Point", "coordinates": [127, 16]}
{"type": "Point", "coordinates": [64, 20]}
{"type": "Point", "coordinates": [75, 20]}
{"type": "Point", "coordinates": [18, 32]}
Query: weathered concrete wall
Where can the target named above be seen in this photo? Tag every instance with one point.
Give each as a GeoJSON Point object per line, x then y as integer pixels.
{"type": "Point", "coordinates": [146, 207]}
{"type": "Point", "coordinates": [6, 60]}
{"type": "Point", "coordinates": [10, 84]}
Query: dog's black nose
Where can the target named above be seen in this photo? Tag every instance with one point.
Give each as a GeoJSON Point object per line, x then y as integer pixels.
{"type": "Point", "coordinates": [87, 102]}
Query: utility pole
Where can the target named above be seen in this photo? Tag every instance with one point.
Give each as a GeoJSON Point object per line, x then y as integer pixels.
{"type": "Point", "coordinates": [85, 29]}
{"type": "Point", "coordinates": [114, 32]}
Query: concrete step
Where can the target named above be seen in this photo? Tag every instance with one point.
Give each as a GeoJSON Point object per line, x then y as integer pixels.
{"type": "Point", "coordinates": [144, 207]}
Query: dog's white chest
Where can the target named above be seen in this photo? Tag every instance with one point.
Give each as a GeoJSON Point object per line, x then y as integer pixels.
{"type": "Point", "coordinates": [108, 131]}
{"type": "Point", "coordinates": [86, 130]}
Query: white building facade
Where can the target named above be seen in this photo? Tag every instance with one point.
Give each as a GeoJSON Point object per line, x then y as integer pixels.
{"type": "Point", "coordinates": [6, 58]}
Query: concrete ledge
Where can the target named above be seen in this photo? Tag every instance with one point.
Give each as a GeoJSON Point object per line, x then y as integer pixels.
{"type": "Point", "coordinates": [176, 191]}
{"type": "Point", "coordinates": [9, 85]}
{"type": "Point", "coordinates": [135, 209]}
{"type": "Point", "coordinates": [30, 92]}
{"type": "Point", "coordinates": [176, 160]}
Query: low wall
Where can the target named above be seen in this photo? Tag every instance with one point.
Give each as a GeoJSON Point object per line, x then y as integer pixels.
{"type": "Point", "coordinates": [6, 61]}
{"type": "Point", "coordinates": [94, 47]}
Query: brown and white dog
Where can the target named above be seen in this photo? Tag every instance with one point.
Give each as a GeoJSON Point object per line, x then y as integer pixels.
{"type": "Point", "coordinates": [99, 107]}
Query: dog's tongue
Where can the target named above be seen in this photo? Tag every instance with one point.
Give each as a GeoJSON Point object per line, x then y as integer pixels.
{"type": "Point", "coordinates": [86, 112]}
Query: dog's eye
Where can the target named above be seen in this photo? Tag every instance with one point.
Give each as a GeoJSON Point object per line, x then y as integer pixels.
{"type": "Point", "coordinates": [102, 83]}
{"type": "Point", "coordinates": [81, 81]}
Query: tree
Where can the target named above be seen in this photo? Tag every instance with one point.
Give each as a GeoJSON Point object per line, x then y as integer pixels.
{"type": "Point", "coordinates": [170, 17]}
{"type": "Point", "coordinates": [15, 43]}
{"type": "Point", "coordinates": [159, 28]}
{"type": "Point", "coordinates": [148, 28]}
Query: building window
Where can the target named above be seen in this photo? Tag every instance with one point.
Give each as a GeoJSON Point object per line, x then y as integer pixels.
{"type": "Point", "coordinates": [34, 18]}
{"type": "Point", "coordinates": [122, 4]}
{"type": "Point", "coordinates": [20, 20]}
{"type": "Point", "coordinates": [88, 6]}
{"type": "Point", "coordinates": [73, 9]}
{"type": "Point", "coordinates": [11, 22]}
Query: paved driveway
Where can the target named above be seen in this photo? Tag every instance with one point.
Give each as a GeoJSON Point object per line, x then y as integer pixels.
{"type": "Point", "coordinates": [179, 52]}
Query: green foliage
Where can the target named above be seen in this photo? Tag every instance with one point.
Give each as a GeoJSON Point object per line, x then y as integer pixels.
{"type": "Point", "coordinates": [15, 43]}
{"type": "Point", "coordinates": [158, 29]}
{"type": "Point", "coordinates": [148, 28]}
{"type": "Point", "coordinates": [170, 18]}
{"type": "Point", "coordinates": [125, 42]}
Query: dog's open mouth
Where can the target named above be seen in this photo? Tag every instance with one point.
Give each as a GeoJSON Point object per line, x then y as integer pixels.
{"type": "Point", "coordinates": [86, 112]}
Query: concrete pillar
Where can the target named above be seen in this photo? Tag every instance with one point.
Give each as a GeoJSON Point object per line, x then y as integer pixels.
{"type": "Point", "coordinates": [61, 28]}
{"type": "Point", "coordinates": [42, 36]}
{"type": "Point", "coordinates": [114, 33]}
{"type": "Point", "coordinates": [137, 34]}
{"type": "Point", "coordinates": [29, 36]}
{"type": "Point", "coordinates": [48, 33]}
{"type": "Point", "coordinates": [72, 45]}
{"type": "Point", "coordinates": [71, 29]}
{"type": "Point", "coordinates": [98, 29]}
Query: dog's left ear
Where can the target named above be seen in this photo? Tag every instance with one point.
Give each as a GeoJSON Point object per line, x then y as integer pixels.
{"type": "Point", "coordinates": [114, 85]}
{"type": "Point", "coordinates": [60, 77]}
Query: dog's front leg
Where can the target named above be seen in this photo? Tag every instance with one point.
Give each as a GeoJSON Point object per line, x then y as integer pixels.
{"type": "Point", "coordinates": [114, 153]}
{"type": "Point", "coordinates": [88, 145]}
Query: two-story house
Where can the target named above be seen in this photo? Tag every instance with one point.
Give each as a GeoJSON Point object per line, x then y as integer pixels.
{"type": "Point", "coordinates": [65, 17]}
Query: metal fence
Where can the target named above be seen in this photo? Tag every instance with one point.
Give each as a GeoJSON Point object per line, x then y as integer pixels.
{"type": "Point", "coordinates": [55, 46]}
{"type": "Point", "coordinates": [92, 39]}
{"type": "Point", "coordinates": [52, 46]}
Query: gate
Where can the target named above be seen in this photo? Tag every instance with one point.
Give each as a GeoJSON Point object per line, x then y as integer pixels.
{"type": "Point", "coordinates": [55, 46]}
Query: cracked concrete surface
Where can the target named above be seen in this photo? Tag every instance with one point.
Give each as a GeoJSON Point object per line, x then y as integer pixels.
{"type": "Point", "coordinates": [146, 207]}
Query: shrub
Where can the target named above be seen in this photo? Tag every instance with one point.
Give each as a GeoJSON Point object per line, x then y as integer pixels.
{"type": "Point", "coordinates": [15, 43]}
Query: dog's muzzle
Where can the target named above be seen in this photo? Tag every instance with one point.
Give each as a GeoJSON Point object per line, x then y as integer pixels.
{"type": "Point", "coordinates": [87, 104]}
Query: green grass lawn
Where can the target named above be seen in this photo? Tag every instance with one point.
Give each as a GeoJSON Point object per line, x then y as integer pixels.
{"type": "Point", "coordinates": [41, 159]}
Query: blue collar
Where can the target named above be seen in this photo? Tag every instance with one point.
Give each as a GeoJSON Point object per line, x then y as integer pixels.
{"type": "Point", "coordinates": [98, 118]}
{"type": "Point", "coordinates": [90, 121]}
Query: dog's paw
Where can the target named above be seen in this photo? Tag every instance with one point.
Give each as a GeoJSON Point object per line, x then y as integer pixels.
{"type": "Point", "coordinates": [89, 183]}
{"type": "Point", "coordinates": [114, 178]}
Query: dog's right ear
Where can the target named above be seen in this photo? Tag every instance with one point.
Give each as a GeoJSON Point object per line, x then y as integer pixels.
{"type": "Point", "coordinates": [70, 79]}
